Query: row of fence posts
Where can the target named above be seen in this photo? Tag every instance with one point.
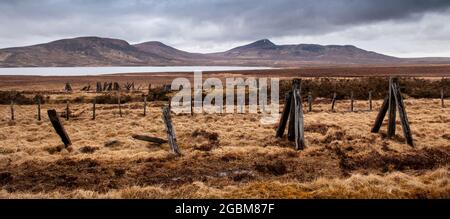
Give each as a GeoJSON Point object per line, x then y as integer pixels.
{"type": "Point", "coordinates": [310, 105]}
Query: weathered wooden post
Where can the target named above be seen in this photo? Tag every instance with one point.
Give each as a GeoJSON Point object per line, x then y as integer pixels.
{"type": "Point", "coordinates": [94, 102]}
{"type": "Point", "coordinates": [12, 110]}
{"type": "Point", "coordinates": [381, 115]}
{"type": "Point", "coordinates": [402, 112]}
{"type": "Point", "coordinates": [442, 98]}
{"type": "Point", "coordinates": [388, 104]}
{"type": "Point", "coordinates": [118, 102]}
{"type": "Point", "coordinates": [145, 105]}
{"type": "Point", "coordinates": [170, 131]}
{"type": "Point", "coordinates": [351, 101]}
{"type": "Point", "coordinates": [370, 100]}
{"type": "Point", "coordinates": [67, 110]}
{"type": "Point", "coordinates": [39, 109]}
{"type": "Point", "coordinates": [333, 101]}
{"type": "Point", "coordinates": [310, 100]}
{"type": "Point", "coordinates": [192, 107]}
{"type": "Point", "coordinates": [99, 87]}
{"type": "Point", "coordinates": [285, 115]}
{"type": "Point", "coordinates": [299, 125]}
{"type": "Point", "coordinates": [291, 126]}
{"type": "Point", "coordinates": [68, 87]}
{"type": "Point", "coordinates": [392, 110]}
{"type": "Point", "coordinates": [59, 128]}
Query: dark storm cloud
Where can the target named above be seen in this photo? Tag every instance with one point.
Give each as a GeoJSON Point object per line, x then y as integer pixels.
{"type": "Point", "coordinates": [191, 21]}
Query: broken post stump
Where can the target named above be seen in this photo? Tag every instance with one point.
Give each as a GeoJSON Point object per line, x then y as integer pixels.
{"type": "Point", "coordinates": [285, 115]}
{"type": "Point", "coordinates": [59, 128]}
{"type": "Point", "coordinates": [370, 100]}
{"type": "Point", "coordinates": [149, 139]}
{"type": "Point", "coordinates": [171, 138]}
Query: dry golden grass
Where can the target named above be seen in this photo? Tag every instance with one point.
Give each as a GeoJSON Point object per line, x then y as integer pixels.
{"type": "Point", "coordinates": [342, 159]}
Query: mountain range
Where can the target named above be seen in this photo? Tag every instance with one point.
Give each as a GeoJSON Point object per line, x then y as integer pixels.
{"type": "Point", "coordinates": [96, 51]}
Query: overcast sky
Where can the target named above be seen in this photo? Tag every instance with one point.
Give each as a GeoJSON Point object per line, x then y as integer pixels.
{"type": "Point", "coordinates": [404, 28]}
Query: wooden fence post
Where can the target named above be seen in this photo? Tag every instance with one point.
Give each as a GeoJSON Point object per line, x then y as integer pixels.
{"type": "Point", "coordinates": [171, 138]}
{"type": "Point", "coordinates": [291, 126]}
{"type": "Point", "coordinates": [12, 110]}
{"type": "Point", "coordinates": [59, 128]}
{"type": "Point", "coordinates": [145, 105]}
{"type": "Point", "coordinates": [396, 96]}
{"type": "Point", "coordinates": [67, 110]}
{"type": "Point", "coordinates": [442, 98]}
{"type": "Point", "coordinates": [370, 100]}
{"type": "Point", "coordinates": [285, 115]}
{"type": "Point", "coordinates": [381, 115]}
{"type": "Point", "coordinates": [94, 102]}
{"type": "Point", "coordinates": [333, 102]}
{"type": "Point", "coordinates": [392, 109]}
{"type": "Point", "coordinates": [192, 107]}
{"type": "Point", "coordinates": [99, 87]}
{"type": "Point", "coordinates": [351, 101]}
{"type": "Point", "coordinates": [310, 100]}
{"type": "Point", "coordinates": [402, 112]}
{"type": "Point", "coordinates": [299, 125]}
{"type": "Point", "coordinates": [39, 109]}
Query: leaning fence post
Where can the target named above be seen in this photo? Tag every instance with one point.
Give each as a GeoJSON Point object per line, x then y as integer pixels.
{"type": "Point", "coordinates": [381, 115]}
{"type": "Point", "coordinates": [12, 109]}
{"type": "Point", "coordinates": [402, 113]}
{"type": "Point", "coordinates": [59, 128]}
{"type": "Point", "coordinates": [310, 100]}
{"type": "Point", "coordinates": [370, 100]}
{"type": "Point", "coordinates": [170, 131]}
{"type": "Point", "coordinates": [333, 102]}
{"type": "Point", "coordinates": [285, 115]}
{"type": "Point", "coordinates": [392, 110]}
{"type": "Point", "coordinates": [39, 109]}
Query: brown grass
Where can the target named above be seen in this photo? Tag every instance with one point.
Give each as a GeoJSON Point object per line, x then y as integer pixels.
{"type": "Point", "coordinates": [225, 156]}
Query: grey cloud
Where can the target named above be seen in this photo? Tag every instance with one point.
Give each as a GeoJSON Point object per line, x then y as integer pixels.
{"type": "Point", "coordinates": [193, 21]}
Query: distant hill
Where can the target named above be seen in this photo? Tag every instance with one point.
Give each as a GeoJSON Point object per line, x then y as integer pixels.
{"type": "Point", "coordinates": [96, 51]}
